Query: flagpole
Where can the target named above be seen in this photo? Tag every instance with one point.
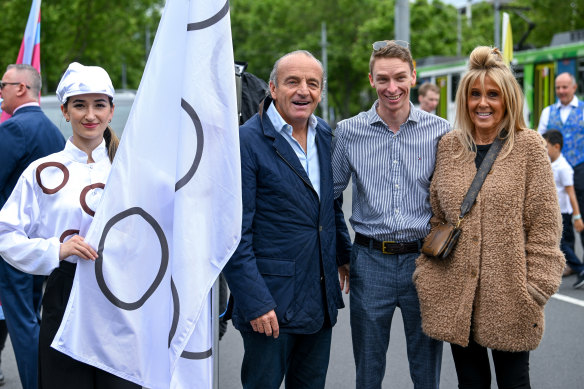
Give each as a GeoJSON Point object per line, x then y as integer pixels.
{"type": "Point", "coordinates": [215, 321]}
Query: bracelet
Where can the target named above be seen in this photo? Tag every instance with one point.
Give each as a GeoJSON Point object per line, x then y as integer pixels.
{"type": "Point", "coordinates": [576, 217]}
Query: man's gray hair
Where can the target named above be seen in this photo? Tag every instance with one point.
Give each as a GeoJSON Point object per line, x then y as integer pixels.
{"type": "Point", "coordinates": [33, 78]}
{"type": "Point", "coordinates": [274, 72]}
{"type": "Point", "coordinates": [571, 77]}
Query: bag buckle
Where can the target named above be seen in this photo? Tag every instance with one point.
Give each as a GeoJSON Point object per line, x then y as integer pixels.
{"type": "Point", "coordinates": [383, 247]}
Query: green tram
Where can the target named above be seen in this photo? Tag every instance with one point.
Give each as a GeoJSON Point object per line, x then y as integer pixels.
{"type": "Point", "coordinates": [534, 69]}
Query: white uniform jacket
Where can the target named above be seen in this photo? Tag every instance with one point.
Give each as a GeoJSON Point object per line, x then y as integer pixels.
{"type": "Point", "coordinates": [54, 199]}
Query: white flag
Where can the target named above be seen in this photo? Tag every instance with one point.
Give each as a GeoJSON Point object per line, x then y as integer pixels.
{"type": "Point", "coordinates": [170, 215]}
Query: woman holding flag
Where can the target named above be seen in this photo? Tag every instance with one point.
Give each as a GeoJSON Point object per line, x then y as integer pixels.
{"type": "Point", "coordinates": [43, 222]}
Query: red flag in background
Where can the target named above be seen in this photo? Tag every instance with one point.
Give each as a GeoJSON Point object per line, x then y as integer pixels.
{"type": "Point", "coordinates": [30, 48]}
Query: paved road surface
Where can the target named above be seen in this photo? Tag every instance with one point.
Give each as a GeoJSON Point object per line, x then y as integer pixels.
{"type": "Point", "coordinates": [556, 364]}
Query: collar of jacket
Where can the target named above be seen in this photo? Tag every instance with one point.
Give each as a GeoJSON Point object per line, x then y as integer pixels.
{"type": "Point", "coordinates": [283, 148]}
{"type": "Point", "coordinates": [28, 108]}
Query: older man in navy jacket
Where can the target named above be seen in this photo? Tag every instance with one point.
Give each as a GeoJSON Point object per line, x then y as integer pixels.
{"type": "Point", "coordinates": [283, 275]}
{"type": "Point", "coordinates": [27, 136]}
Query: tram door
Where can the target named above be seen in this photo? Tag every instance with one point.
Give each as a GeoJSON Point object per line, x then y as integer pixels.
{"type": "Point", "coordinates": [544, 90]}
{"type": "Point", "coordinates": [442, 108]}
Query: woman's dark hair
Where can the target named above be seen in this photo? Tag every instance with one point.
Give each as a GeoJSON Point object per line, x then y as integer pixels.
{"type": "Point", "coordinates": [111, 139]}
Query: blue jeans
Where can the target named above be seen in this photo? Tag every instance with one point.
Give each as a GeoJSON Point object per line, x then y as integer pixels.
{"type": "Point", "coordinates": [380, 283]}
{"type": "Point", "coordinates": [567, 244]}
{"type": "Point", "coordinates": [302, 359]}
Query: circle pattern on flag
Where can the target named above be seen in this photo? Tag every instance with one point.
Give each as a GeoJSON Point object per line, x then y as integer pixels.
{"type": "Point", "coordinates": [211, 21]}
{"type": "Point", "coordinates": [176, 311]}
{"type": "Point", "coordinates": [99, 275]}
{"type": "Point", "coordinates": [200, 141]}
{"type": "Point", "coordinates": [175, 316]}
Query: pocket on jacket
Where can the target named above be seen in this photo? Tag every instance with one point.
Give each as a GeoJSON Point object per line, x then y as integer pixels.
{"type": "Point", "coordinates": [535, 294]}
{"type": "Point", "coordinates": [279, 277]}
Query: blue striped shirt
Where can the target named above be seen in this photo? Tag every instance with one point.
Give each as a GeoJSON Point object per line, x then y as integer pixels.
{"type": "Point", "coordinates": [390, 172]}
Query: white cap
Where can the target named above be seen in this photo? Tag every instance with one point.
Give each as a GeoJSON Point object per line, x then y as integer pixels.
{"type": "Point", "coordinates": [79, 80]}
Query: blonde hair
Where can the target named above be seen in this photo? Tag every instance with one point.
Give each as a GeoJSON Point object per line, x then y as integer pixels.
{"type": "Point", "coordinates": [485, 62]}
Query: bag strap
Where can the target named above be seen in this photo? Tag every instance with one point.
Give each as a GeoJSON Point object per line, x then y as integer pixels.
{"type": "Point", "coordinates": [479, 178]}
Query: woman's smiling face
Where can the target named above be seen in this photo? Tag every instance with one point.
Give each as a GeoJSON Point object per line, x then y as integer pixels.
{"type": "Point", "coordinates": [486, 106]}
{"type": "Point", "coordinates": [90, 115]}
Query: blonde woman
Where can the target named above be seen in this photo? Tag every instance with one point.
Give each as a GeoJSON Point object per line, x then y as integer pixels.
{"type": "Point", "coordinates": [490, 293]}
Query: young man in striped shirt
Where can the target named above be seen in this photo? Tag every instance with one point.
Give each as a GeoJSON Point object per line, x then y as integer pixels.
{"type": "Point", "coordinates": [389, 153]}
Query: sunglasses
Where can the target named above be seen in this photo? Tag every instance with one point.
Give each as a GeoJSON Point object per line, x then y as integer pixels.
{"type": "Point", "coordinates": [381, 44]}
{"type": "Point", "coordinates": [3, 84]}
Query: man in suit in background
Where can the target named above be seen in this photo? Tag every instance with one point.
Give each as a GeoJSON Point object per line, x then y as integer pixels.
{"type": "Point", "coordinates": [27, 136]}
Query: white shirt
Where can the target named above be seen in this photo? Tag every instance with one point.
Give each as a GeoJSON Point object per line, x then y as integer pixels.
{"type": "Point", "coordinates": [563, 176]}
{"type": "Point", "coordinates": [564, 113]}
{"type": "Point", "coordinates": [34, 221]}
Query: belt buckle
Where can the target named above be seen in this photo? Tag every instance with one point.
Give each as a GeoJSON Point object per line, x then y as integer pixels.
{"type": "Point", "coordinates": [383, 247]}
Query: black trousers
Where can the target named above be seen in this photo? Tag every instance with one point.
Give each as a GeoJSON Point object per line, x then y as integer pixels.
{"type": "Point", "coordinates": [57, 370]}
{"type": "Point", "coordinates": [473, 369]}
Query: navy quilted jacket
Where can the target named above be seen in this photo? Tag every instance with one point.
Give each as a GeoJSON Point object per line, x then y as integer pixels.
{"type": "Point", "coordinates": [287, 233]}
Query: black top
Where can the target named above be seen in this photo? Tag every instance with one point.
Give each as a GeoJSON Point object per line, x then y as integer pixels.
{"type": "Point", "coordinates": [482, 151]}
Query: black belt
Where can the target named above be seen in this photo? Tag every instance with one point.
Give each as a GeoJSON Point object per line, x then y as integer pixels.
{"type": "Point", "coordinates": [389, 247]}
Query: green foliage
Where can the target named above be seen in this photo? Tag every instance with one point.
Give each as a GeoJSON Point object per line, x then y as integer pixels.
{"type": "Point", "coordinates": [92, 32]}
{"type": "Point", "coordinates": [112, 34]}
{"type": "Point", "coordinates": [550, 17]}
{"type": "Point", "coordinates": [264, 30]}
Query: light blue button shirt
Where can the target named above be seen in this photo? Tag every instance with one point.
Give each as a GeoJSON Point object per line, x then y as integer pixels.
{"type": "Point", "coordinates": [308, 159]}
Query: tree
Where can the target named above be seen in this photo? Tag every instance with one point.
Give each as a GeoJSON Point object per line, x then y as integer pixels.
{"type": "Point", "coordinates": [113, 35]}
{"type": "Point", "coordinates": [92, 32]}
{"type": "Point", "coordinates": [265, 30]}
{"type": "Point", "coordinates": [550, 17]}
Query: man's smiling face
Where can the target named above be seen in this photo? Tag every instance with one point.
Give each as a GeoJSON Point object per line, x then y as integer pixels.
{"type": "Point", "coordinates": [392, 79]}
{"type": "Point", "coordinates": [298, 89]}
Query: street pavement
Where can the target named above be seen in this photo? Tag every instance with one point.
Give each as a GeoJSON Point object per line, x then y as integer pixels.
{"type": "Point", "coordinates": [555, 364]}
{"type": "Point", "coordinates": [11, 379]}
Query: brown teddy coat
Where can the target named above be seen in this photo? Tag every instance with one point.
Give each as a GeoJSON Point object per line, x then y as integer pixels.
{"type": "Point", "coordinates": [507, 262]}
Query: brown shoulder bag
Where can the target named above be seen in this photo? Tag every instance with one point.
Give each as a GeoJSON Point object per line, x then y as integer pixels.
{"type": "Point", "coordinates": [443, 238]}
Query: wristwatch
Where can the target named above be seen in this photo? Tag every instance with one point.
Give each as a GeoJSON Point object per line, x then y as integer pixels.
{"type": "Point", "coordinates": [576, 217]}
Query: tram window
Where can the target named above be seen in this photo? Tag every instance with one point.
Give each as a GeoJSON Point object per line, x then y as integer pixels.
{"type": "Point", "coordinates": [454, 84]}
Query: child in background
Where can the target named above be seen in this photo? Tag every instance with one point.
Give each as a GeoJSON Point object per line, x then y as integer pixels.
{"type": "Point", "coordinates": [564, 177]}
